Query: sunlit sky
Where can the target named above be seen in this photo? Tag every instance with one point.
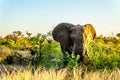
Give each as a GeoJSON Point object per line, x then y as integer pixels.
{"type": "Point", "coordinates": [41, 16]}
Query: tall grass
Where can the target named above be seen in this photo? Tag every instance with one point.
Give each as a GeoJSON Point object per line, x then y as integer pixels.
{"type": "Point", "coordinates": [77, 73]}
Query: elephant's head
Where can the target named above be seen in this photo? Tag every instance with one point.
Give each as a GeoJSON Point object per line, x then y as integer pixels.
{"type": "Point", "coordinates": [77, 39]}
{"type": "Point", "coordinates": [80, 37]}
{"type": "Point", "coordinates": [73, 38]}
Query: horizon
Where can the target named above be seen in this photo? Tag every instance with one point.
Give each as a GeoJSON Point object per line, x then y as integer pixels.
{"type": "Point", "coordinates": [42, 16]}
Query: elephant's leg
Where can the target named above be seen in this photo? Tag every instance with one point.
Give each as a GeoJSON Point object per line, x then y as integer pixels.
{"type": "Point", "coordinates": [64, 54]}
{"type": "Point", "coordinates": [65, 46]}
{"type": "Point", "coordinates": [82, 55]}
{"type": "Point", "coordinates": [63, 49]}
{"type": "Point", "coordinates": [81, 58]}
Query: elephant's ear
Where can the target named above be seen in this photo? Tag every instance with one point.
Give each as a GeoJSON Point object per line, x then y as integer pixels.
{"type": "Point", "coordinates": [89, 31]}
{"type": "Point", "coordinates": [61, 32]}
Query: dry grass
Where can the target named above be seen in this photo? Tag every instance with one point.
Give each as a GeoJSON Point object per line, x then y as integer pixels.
{"type": "Point", "coordinates": [77, 73]}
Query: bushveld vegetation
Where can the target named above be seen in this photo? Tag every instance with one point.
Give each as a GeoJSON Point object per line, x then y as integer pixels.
{"type": "Point", "coordinates": [39, 57]}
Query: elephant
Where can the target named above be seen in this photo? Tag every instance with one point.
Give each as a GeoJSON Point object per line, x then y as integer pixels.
{"type": "Point", "coordinates": [74, 38]}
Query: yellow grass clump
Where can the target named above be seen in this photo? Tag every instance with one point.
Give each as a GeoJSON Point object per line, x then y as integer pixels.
{"type": "Point", "coordinates": [77, 73]}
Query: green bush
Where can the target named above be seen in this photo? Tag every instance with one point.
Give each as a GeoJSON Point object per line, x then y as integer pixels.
{"type": "Point", "coordinates": [104, 52]}
{"type": "Point", "coordinates": [101, 57]}
{"type": "Point", "coordinates": [72, 61]}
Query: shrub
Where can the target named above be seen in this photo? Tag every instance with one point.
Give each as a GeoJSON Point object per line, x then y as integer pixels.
{"type": "Point", "coordinates": [72, 61]}
{"type": "Point", "coordinates": [4, 52]}
{"type": "Point", "coordinates": [101, 57]}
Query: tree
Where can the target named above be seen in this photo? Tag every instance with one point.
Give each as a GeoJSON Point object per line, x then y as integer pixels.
{"type": "Point", "coordinates": [118, 35]}
{"type": "Point", "coordinates": [28, 34]}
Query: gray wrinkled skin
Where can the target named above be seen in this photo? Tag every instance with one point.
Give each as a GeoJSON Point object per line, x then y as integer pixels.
{"type": "Point", "coordinates": [71, 38]}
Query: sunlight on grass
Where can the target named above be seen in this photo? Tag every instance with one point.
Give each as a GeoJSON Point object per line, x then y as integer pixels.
{"type": "Point", "coordinates": [39, 74]}
{"type": "Point", "coordinates": [78, 73]}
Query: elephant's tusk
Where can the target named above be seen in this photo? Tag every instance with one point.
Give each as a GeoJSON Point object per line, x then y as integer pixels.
{"type": "Point", "coordinates": [73, 55]}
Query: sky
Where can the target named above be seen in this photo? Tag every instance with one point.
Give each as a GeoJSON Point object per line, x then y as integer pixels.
{"type": "Point", "coordinates": [41, 16]}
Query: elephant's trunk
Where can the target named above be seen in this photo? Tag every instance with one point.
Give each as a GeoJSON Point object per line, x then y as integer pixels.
{"type": "Point", "coordinates": [78, 46]}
